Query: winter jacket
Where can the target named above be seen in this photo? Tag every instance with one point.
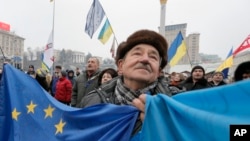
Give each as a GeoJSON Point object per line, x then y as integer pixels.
{"type": "Point", "coordinates": [82, 86]}
{"type": "Point", "coordinates": [220, 84]}
{"type": "Point", "coordinates": [53, 85]}
{"type": "Point", "coordinates": [189, 85]}
{"type": "Point", "coordinates": [63, 90]}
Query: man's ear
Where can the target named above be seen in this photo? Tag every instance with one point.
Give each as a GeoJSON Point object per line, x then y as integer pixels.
{"type": "Point", "coordinates": [159, 72]}
{"type": "Point", "coordinates": [120, 64]}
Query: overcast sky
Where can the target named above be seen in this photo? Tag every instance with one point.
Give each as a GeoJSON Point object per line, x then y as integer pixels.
{"type": "Point", "coordinates": [222, 24]}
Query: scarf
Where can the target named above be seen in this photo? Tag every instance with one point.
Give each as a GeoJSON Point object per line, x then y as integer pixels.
{"type": "Point", "coordinates": [125, 95]}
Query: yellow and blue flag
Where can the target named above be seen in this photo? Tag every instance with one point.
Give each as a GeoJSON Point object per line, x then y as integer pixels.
{"type": "Point", "coordinates": [177, 50]}
{"type": "Point", "coordinates": [29, 113]}
{"type": "Point", "coordinates": [202, 115]}
{"type": "Point", "coordinates": [94, 18]}
{"type": "Point", "coordinates": [224, 67]}
{"type": "Point", "coordinates": [105, 32]}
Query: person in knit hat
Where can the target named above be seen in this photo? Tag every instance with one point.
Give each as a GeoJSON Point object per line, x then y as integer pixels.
{"type": "Point", "coordinates": [196, 80]}
{"type": "Point", "coordinates": [140, 60]}
{"type": "Point", "coordinates": [63, 88]}
{"type": "Point", "coordinates": [217, 79]}
{"type": "Point", "coordinates": [242, 72]}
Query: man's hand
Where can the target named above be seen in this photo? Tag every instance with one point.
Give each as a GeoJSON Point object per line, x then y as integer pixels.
{"type": "Point", "coordinates": [140, 104]}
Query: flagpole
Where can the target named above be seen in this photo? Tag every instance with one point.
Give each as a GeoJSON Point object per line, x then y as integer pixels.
{"type": "Point", "coordinates": [53, 26]}
{"type": "Point", "coordinates": [189, 59]}
{"type": "Point", "coordinates": [4, 58]}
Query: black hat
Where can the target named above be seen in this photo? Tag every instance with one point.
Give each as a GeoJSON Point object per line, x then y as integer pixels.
{"type": "Point", "coordinates": [146, 37]}
{"type": "Point", "coordinates": [241, 69]}
{"type": "Point", "coordinates": [198, 67]}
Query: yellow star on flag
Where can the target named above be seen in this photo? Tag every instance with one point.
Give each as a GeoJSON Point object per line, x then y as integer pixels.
{"type": "Point", "coordinates": [59, 127]}
{"type": "Point", "coordinates": [49, 111]}
{"type": "Point", "coordinates": [31, 107]}
{"type": "Point", "coordinates": [15, 114]}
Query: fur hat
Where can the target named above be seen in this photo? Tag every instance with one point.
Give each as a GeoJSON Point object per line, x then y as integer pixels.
{"type": "Point", "coordinates": [198, 67]}
{"type": "Point", "coordinates": [241, 69]}
{"type": "Point", "coordinates": [145, 37]}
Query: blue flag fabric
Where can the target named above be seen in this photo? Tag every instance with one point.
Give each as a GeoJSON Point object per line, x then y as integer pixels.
{"type": "Point", "coordinates": [29, 113]}
{"type": "Point", "coordinates": [202, 115]}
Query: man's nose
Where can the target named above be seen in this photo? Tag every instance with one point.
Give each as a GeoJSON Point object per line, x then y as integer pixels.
{"type": "Point", "coordinates": [144, 58]}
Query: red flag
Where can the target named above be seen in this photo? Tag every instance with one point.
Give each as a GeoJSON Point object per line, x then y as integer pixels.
{"type": "Point", "coordinates": [243, 46]}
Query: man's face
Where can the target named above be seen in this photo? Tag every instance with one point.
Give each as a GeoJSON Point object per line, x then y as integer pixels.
{"type": "Point", "coordinates": [57, 71]}
{"type": "Point", "coordinates": [93, 64]}
{"type": "Point", "coordinates": [197, 74]}
{"type": "Point", "coordinates": [141, 63]}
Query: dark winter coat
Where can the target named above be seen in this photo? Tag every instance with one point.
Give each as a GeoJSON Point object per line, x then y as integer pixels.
{"type": "Point", "coordinates": [220, 84]}
{"type": "Point", "coordinates": [189, 85]}
{"type": "Point", "coordinates": [82, 86]}
{"type": "Point", "coordinates": [105, 94]}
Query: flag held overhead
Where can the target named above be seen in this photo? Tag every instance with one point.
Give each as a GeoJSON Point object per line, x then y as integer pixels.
{"type": "Point", "coordinates": [94, 18]}
{"type": "Point", "coordinates": [177, 50]}
{"type": "Point", "coordinates": [105, 32]}
{"type": "Point", "coordinates": [48, 54]}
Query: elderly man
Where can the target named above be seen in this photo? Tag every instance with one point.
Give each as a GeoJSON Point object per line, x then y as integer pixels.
{"type": "Point", "coordinates": [85, 82]}
{"type": "Point", "coordinates": [141, 59]}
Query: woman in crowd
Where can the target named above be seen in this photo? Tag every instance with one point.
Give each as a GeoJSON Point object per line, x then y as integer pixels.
{"type": "Point", "coordinates": [107, 75]}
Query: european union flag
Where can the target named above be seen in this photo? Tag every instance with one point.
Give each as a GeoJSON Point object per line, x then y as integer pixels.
{"type": "Point", "coordinates": [29, 113]}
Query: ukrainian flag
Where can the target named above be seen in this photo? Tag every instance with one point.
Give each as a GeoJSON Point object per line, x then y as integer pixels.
{"type": "Point", "coordinates": [106, 32]}
{"type": "Point", "coordinates": [227, 63]}
{"type": "Point", "coordinates": [177, 50]}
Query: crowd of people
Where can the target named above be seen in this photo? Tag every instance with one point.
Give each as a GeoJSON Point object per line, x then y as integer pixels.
{"type": "Point", "coordinates": [140, 61]}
